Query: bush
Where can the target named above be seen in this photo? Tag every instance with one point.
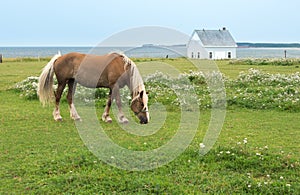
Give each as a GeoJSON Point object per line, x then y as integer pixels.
{"type": "Point", "coordinates": [252, 89]}
{"type": "Point", "coordinates": [28, 87]}
{"type": "Point", "coordinates": [266, 61]}
{"type": "Point", "coordinates": [258, 90]}
{"type": "Point", "coordinates": [28, 90]}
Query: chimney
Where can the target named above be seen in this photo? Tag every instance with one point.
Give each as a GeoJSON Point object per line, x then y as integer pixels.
{"type": "Point", "coordinates": [224, 28]}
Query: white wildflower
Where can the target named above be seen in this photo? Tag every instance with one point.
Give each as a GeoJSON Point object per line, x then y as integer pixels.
{"type": "Point", "coordinates": [266, 147]}
{"type": "Point", "coordinates": [202, 145]}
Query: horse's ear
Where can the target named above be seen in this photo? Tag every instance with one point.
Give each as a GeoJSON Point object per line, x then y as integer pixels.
{"type": "Point", "coordinates": [141, 94]}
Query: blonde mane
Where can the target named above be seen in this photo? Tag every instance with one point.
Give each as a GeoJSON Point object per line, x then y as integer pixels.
{"type": "Point", "coordinates": [136, 81]}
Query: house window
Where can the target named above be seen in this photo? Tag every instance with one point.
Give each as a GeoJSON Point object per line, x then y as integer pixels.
{"type": "Point", "coordinates": [210, 55]}
{"type": "Point", "coordinates": [198, 55]}
{"type": "Point", "coordinates": [192, 54]}
{"type": "Point", "coordinates": [229, 55]}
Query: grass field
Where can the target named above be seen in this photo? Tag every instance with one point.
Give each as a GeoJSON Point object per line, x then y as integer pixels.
{"type": "Point", "coordinates": [257, 151]}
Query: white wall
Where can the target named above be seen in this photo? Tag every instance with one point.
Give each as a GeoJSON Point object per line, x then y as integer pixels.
{"type": "Point", "coordinates": [221, 53]}
{"type": "Point", "coordinates": [217, 53]}
{"type": "Point", "coordinates": [193, 48]}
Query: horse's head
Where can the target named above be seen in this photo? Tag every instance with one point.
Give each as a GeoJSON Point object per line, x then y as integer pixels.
{"type": "Point", "coordinates": [139, 105]}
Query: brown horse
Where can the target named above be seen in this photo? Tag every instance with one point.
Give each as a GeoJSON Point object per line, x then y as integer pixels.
{"type": "Point", "coordinates": [112, 71]}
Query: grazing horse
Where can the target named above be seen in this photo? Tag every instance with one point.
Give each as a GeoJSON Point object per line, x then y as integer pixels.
{"type": "Point", "coordinates": [112, 71]}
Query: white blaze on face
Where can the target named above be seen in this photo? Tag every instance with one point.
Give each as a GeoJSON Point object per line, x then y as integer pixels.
{"type": "Point", "coordinates": [145, 102]}
{"type": "Point", "coordinates": [148, 116]}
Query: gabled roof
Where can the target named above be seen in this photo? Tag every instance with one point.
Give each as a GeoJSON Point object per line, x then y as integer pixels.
{"type": "Point", "coordinates": [216, 38]}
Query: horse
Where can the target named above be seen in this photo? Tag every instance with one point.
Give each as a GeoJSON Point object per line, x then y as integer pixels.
{"type": "Point", "coordinates": [112, 70]}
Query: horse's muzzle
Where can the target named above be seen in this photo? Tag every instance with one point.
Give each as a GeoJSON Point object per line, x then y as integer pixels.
{"type": "Point", "coordinates": [143, 120]}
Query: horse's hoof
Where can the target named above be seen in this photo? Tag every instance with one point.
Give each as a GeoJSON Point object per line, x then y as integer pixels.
{"type": "Point", "coordinates": [77, 119]}
{"type": "Point", "coordinates": [57, 116]}
{"type": "Point", "coordinates": [59, 119]}
{"type": "Point", "coordinates": [108, 120]}
{"type": "Point", "coordinates": [123, 120]}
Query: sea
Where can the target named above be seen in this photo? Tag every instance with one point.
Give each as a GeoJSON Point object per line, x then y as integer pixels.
{"type": "Point", "coordinates": [142, 51]}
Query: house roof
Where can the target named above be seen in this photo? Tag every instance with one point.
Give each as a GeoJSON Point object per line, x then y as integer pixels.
{"type": "Point", "coordinates": [216, 38]}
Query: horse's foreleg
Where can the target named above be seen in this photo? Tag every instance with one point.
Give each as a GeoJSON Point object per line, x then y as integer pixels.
{"type": "Point", "coordinates": [105, 116]}
{"type": "Point", "coordinates": [72, 87]}
{"type": "Point", "coordinates": [59, 91]}
{"type": "Point", "coordinates": [121, 117]}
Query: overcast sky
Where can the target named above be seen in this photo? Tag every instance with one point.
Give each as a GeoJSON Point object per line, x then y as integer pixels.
{"type": "Point", "coordinates": [88, 22]}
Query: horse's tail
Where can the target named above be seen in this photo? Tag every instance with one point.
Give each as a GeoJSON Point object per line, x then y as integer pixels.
{"type": "Point", "coordinates": [45, 86]}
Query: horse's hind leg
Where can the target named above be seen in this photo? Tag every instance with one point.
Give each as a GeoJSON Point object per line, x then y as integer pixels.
{"type": "Point", "coordinates": [59, 91]}
{"type": "Point", "coordinates": [72, 87]}
{"type": "Point", "coordinates": [105, 115]}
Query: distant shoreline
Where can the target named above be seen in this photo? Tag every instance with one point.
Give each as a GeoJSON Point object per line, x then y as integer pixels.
{"type": "Point", "coordinates": [267, 45]}
{"type": "Point", "coordinates": [239, 44]}
{"type": "Point", "coordinates": [245, 50]}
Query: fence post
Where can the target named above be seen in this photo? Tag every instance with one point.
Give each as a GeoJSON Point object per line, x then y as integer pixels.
{"type": "Point", "coordinates": [284, 53]}
{"type": "Point", "coordinates": [0, 58]}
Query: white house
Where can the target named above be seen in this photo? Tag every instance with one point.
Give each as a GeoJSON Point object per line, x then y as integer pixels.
{"type": "Point", "coordinates": [211, 44]}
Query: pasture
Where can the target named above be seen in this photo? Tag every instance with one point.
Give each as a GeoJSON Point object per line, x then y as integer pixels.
{"type": "Point", "coordinates": [257, 151]}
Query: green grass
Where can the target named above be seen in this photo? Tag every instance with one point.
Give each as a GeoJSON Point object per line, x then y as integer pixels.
{"type": "Point", "coordinates": [233, 70]}
{"type": "Point", "coordinates": [230, 70]}
{"type": "Point", "coordinates": [40, 156]}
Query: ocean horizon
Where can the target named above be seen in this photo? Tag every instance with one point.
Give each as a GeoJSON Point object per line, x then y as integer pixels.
{"type": "Point", "coordinates": [143, 51]}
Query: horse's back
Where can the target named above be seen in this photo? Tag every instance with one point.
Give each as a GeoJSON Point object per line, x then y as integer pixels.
{"type": "Point", "coordinates": [105, 69]}
{"type": "Point", "coordinates": [90, 70]}
{"type": "Point", "coordinates": [70, 59]}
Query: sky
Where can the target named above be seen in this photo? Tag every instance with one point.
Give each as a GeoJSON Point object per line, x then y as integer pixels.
{"type": "Point", "coordinates": [89, 22]}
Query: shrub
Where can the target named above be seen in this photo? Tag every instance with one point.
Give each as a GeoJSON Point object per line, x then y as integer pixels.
{"type": "Point", "coordinates": [28, 87]}
{"type": "Point", "coordinates": [266, 61]}
{"type": "Point", "coordinates": [252, 89]}
{"type": "Point", "coordinates": [258, 90]}
{"type": "Point", "coordinates": [28, 90]}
